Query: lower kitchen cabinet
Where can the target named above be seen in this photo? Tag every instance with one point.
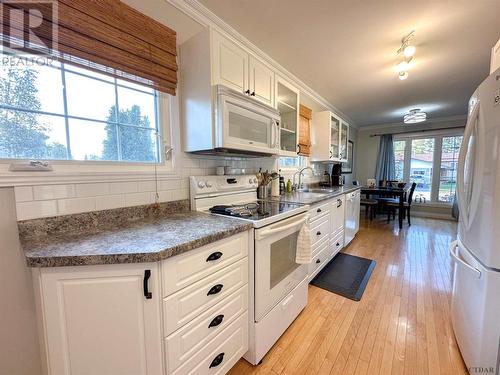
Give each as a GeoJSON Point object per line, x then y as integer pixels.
{"type": "Point", "coordinates": [101, 319]}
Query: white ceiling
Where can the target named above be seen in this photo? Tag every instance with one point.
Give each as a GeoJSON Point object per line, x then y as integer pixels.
{"type": "Point", "coordinates": [346, 50]}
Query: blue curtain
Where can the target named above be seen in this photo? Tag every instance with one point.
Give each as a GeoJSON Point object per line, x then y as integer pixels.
{"type": "Point", "coordinates": [386, 163]}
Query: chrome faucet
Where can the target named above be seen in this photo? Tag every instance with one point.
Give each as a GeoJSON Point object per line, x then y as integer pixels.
{"type": "Point", "coordinates": [300, 172]}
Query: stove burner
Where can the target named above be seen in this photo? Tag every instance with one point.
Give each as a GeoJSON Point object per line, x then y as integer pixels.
{"type": "Point", "coordinates": [253, 210]}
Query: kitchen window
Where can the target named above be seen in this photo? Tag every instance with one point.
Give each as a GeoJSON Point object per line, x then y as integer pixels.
{"type": "Point", "coordinates": [59, 112]}
{"type": "Point", "coordinates": [292, 162]}
{"type": "Point", "coordinates": [431, 162]}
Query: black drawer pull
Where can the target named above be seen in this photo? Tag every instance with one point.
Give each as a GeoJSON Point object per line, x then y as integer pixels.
{"type": "Point", "coordinates": [217, 360]}
{"type": "Point", "coordinates": [318, 261]}
{"type": "Point", "coordinates": [215, 289]}
{"type": "Point", "coordinates": [318, 233]}
{"type": "Point", "coordinates": [339, 203]}
{"type": "Point", "coordinates": [216, 321]}
{"type": "Point", "coordinates": [338, 244]}
{"type": "Point", "coordinates": [214, 256]}
{"type": "Point", "coordinates": [318, 210]}
{"type": "Point", "coordinates": [147, 293]}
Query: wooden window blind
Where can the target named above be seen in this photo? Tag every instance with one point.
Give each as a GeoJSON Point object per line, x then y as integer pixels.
{"type": "Point", "coordinates": [102, 35]}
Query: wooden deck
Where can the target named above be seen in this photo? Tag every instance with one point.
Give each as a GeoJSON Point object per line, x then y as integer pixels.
{"type": "Point", "coordinates": [402, 324]}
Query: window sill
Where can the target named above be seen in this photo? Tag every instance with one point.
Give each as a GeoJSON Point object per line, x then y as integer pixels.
{"type": "Point", "coordinates": [433, 204]}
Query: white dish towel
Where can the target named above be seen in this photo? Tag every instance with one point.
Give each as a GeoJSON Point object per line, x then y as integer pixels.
{"type": "Point", "coordinates": [303, 253]}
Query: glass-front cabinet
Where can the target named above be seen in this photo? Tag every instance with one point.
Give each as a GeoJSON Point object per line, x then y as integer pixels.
{"type": "Point", "coordinates": [287, 103]}
{"type": "Point", "coordinates": [330, 137]}
{"type": "Point", "coordinates": [344, 137]}
{"type": "Point", "coordinates": [334, 138]}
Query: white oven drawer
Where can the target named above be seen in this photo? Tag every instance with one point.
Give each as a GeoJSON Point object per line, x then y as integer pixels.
{"type": "Point", "coordinates": [320, 230]}
{"type": "Point", "coordinates": [186, 341]}
{"type": "Point", "coordinates": [220, 354]}
{"type": "Point", "coordinates": [319, 210]}
{"type": "Point", "coordinates": [319, 261]}
{"type": "Point", "coordinates": [269, 329]}
{"type": "Point", "coordinates": [184, 269]}
{"type": "Point", "coordinates": [186, 304]}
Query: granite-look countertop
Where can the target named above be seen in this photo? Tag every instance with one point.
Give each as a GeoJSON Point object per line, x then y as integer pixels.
{"type": "Point", "coordinates": [143, 240]}
{"type": "Point", "coordinates": [316, 195]}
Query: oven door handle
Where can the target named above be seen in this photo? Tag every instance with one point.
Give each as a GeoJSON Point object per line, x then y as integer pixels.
{"type": "Point", "coordinates": [268, 232]}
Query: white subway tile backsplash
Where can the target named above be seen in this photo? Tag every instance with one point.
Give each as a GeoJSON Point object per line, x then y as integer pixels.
{"type": "Point", "coordinates": [109, 202]}
{"type": "Point", "coordinates": [23, 193]}
{"type": "Point", "coordinates": [45, 192]}
{"type": "Point", "coordinates": [170, 184]}
{"type": "Point", "coordinates": [36, 209]}
{"type": "Point", "coordinates": [76, 205]}
{"type": "Point", "coordinates": [138, 199]}
{"type": "Point", "coordinates": [165, 196]}
{"type": "Point", "coordinates": [92, 190]}
{"type": "Point", "coordinates": [143, 186]}
{"type": "Point", "coordinates": [123, 187]}
{"type": "Point", "coordinates": [180, 194]}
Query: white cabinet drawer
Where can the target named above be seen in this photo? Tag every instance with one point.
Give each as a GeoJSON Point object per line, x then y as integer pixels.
{"type": "Point", "coordinates": [318, 246]}
{"type": "Point", "coordinates": [320, 230]}
{"type": "Point", "coordinates": [185, 305]}
{"type": "Point", "coordinates": [337, 243]}
{"type": "Point", "coordinates": [184, 269]}
{"type": "Point", "coordinates": [319, 262]}
{"type": "Point", "coordinates": [319, 210]}
{"type": "Point", "coordinates": [186, 341]}
{"type": "Point", "coordinates": [220, 354]}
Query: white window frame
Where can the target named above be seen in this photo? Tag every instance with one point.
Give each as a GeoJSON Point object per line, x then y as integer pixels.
{"type": "Point", "coordinates": [305, 163]}
{"type": "Point", "coordinates": [76, 171]}
{"type": "Point", "coordinates": [436, 163]}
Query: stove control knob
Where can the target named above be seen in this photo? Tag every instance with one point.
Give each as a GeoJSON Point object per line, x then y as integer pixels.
{"type": "Point", "coordinates": [201, 184]}
{"type": "Point", "coordinates": [251, 181]}
{"type": "Point", "coordinates": [209, 184]}
{"type": "Point", "coordinates": [254, 180]}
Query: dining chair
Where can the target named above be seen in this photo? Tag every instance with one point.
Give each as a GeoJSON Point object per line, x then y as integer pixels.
{"type": "Point", "coordinates": [392, 207]}
{"type": "Point", "coordinates": [370, 205]}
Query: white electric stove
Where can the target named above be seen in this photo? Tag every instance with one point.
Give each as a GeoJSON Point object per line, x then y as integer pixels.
{"type": "Point", "coordinates": [279, 286]}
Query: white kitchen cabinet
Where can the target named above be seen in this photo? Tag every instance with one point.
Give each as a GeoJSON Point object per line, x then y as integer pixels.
{"type": "Point", "coordinates": [261, 81]}
{"type": "Point", "coordinates": [330, 136]}
{"type": "Point", "coordinates": [337, 215]}
{"type": "Point", "coordinates": [230, 64]}
{"type": "Point", "coordinates": [100, 319]}
{"type": "Point", "coordinates": [287, 103]}
{"type": "Point", "coordinates": [236, 68]}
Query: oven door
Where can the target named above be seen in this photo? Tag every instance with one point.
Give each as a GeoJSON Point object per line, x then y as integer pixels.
{"type": "Point", "coordinates": [247, 126]}
{"type": "Point", "coordinates": [276, 272]}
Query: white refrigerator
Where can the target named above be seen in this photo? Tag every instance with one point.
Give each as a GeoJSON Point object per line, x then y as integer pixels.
{"type": "Point", "coordinates": [475, 307]}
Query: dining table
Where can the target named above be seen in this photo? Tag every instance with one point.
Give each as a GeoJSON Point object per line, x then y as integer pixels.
{"type": "Point", "coordinates": [387, 191]}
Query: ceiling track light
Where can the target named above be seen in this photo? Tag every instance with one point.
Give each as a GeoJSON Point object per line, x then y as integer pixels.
{"type": "Point", "coordinates": [407, 50]}
{"type": "Point", "coordinates": [415, 116]}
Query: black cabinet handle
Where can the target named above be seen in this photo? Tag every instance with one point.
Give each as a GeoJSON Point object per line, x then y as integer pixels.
{"type": "Point", "coordinates": [318, 233]}
{"type": "Point", "coordinates": [215, 289]}
{"type": "Point", "coordinates": [338, 244]}
{"type": "Point", "coordinates": [214, 256]}
{"type": "Point", "coordinates": [318, 261]}
{"type": "Point", "coordinates": [247, 92]}
{"type": "Point", "coordinates": [253, 93]}
{"type": "Point", "coordinates": [147, 293]}
{"type": "Point", "coordinates": [339, 203]}
{"type": "Point", "coordinates": [216, 321]}
{"type": "Point", "coordinates": [318, 210]}
{"type": "Point", "coordinates": [217, 360]}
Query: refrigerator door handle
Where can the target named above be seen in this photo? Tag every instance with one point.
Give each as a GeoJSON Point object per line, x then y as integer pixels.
{"type": "Point", "coordinates": [453, 252]}
{"type": "Point", "coordinates": [463, 204]}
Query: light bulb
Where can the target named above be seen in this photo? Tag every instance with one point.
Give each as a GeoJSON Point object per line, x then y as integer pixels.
{"type": "Point", "coordinates": [403, 75]}
{"type": "Point", "coordinates": [409, 51]}
{"type": "Point", "coordinates": [403, 66]}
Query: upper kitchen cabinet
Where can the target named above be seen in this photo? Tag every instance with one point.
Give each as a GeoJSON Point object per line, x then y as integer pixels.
{"type": "Point", "coordinates": [237, 69]}
{"type": "Point", "coordinates": [330, 135]}
{"type": "Point", "coordinates": [230, 64]}
{"type": "Point", "coordinates": [287, 104]}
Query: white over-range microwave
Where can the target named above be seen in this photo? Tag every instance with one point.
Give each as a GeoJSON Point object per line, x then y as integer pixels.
{"type": "Point", "coordinates": [238, 125]}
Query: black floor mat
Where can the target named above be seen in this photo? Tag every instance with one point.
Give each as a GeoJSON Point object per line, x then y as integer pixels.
{"type": "Point", "coordinates": [346, 275]}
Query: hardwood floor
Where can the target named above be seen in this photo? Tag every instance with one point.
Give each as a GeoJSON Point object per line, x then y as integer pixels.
{"type": "Point", "coordinates": [401, 325]}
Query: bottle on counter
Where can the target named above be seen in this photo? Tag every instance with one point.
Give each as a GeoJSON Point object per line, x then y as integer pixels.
{"type": "Point", "coordinates": [289, 186]}
{"type": "Point", "coordinates": [282, 185]}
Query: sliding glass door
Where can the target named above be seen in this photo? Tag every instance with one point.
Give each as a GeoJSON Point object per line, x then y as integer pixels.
{"type": "Point", "coordinates": [430, 162]}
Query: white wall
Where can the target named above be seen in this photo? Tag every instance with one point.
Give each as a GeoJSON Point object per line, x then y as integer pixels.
{"type": "Point", "coordinates": [19, 350]}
